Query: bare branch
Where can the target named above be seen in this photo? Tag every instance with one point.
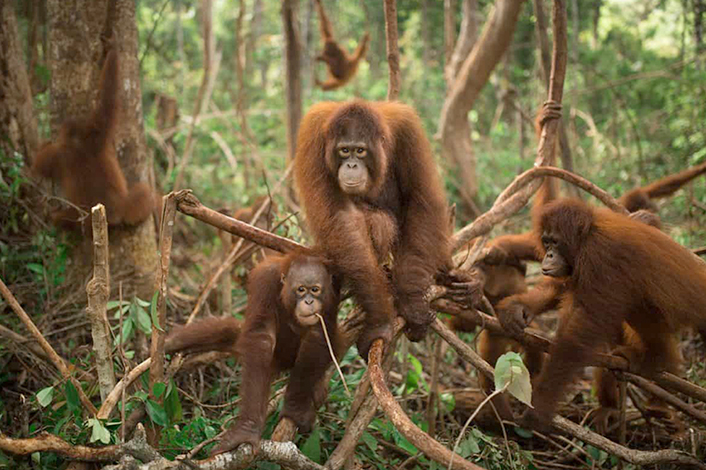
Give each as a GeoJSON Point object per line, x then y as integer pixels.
{"type": "Point", "coordinates": [53, 356]}
{"type": "Point", "coordinates": [188, 204]}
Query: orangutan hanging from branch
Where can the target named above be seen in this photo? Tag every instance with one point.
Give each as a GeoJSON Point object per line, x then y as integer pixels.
{"type": "Point", "coordinates": [341, 65]}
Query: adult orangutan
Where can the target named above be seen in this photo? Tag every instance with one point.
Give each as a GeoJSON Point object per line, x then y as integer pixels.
{"type": "Point", "coordinates": [370, 189]}
{"type": "Point", "coordinates": [341, 65]}
{"type": "Point", "coordinates": [83, 161]}
{"type": "Point", "coordinates": [606, 269]}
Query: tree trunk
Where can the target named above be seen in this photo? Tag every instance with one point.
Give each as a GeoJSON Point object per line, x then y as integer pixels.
{"type": "Point", "coordinates": [133, 248]}
{"type": "Point", "coordinates": [307, 35]}
{"type": "Point", "coordinates": [75, 27]}
{"type": "Point", "coordinates": [454, 127]}
{"type": "Point", "coordinates": [466, 39]}
{"type": "Point", "coordinates": [18, 125]}
{"type": "Point", "coordinates": [449, 29]}
{"type": "Point", "coordinates": [292, 54]}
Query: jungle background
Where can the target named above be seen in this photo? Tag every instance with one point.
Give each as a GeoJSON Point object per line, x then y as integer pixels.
{"type": "Point", "coordinates": [212, 106]}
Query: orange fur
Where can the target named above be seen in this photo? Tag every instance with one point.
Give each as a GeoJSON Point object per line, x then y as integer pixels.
{"type": "Point", "coordinates": [83, 162]}
{"type": "Point", "coordinates": [341, 65]}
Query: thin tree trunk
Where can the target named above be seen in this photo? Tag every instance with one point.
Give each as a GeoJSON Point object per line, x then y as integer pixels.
{"type": "Point", "coordinates": [466, 39]}
{"type": "Point", "coordinates": [18, 125]}
{"type": "Point", "coordinates": [241, 96]}
{"type": "Point", "coordinates": [449, 30]}
{"type": "Point", "coordinates": [307, 45]}
{"type": "Point", "coordinates": [132, 249]}
{"type": "Point", "coordinates": [454, 126]}
{"type": "Point", "coordinates": [393, 50]}
{"type": "Point", "coordinates": [292, 53]}
{"type": "Point", "coordinates": [199, 105]}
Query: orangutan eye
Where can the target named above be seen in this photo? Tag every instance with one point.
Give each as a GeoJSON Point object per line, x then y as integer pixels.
{"type": "Point", "coordinates": [361, 151]}
{"type": "Point", "coordinates": [344, 152]}
{"type": "Point", "coordinates": [301, 289]}
{"type": "Point", "coordinates": [315, 290]}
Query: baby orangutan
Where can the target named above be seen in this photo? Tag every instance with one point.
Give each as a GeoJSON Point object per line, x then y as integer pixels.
{"type": "Point", "coordinates": [282, 331]}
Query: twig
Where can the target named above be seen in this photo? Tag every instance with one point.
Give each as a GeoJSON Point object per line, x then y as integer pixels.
{"type": "Point", "coordinates": [470, 419]}
{"type": "Point", "coordinates": [98, 290]}
{"type": "Point", "coordinates": [333, 355]}
{"type": "Point", "coordinates": [148, 42]}
{"type": "Point", "coordinates": [34, 348]}
{"type": "Point", "coordinates": [393, 50]}
{"type": "Point", "coordinates": [364, 404]}
{"type": "Point", "coordinates": [112, 399]}
{"type": "Point", "coordinates": [666, 396]}
{"type": "Point", "coordinates": [354, 430]}
{"type": "Point", "coordinates": [53, 356]}
{"type": "Point", "coordinates": [635, 457]}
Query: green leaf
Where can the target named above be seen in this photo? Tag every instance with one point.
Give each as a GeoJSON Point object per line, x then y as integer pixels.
{"type": "Point", "coordinates": [128, 327]}
{"type": "Point", "coordinates": [522, 432]}
{"type": "Point", "coordinates": [142, 303]}
{"type": "Point", "coordinates": [158, 389]}
{"type": "Point", "coordinates": [99, 431]}
{"type": "Point", "coordinates": [312, 446]}
{"type": "Point", "coordinates": [111, 304]}
{"type": "Point", "coordinates": [71, 396]}
{"type": "Point", "coordinates": [44, 396]}
{"type": "Point", "coordinates": [35, 268]}
{"type": "Point", "coordinates": [154, 313]}
{"type": "Point", "coordinates": [370, 441]}
{"type": "Point", "coordinates": [144, 324]}
{"type": "Point", "coordinates": [172, 404]}
{"type": "Point", "coordinates": [156, 412]}
{"type": "Point", "coordinates": [469, 446]}
{"type": "Point", "coordinates": [511, 372]}
{"type": "Point", "coordinates": [402, 441]}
